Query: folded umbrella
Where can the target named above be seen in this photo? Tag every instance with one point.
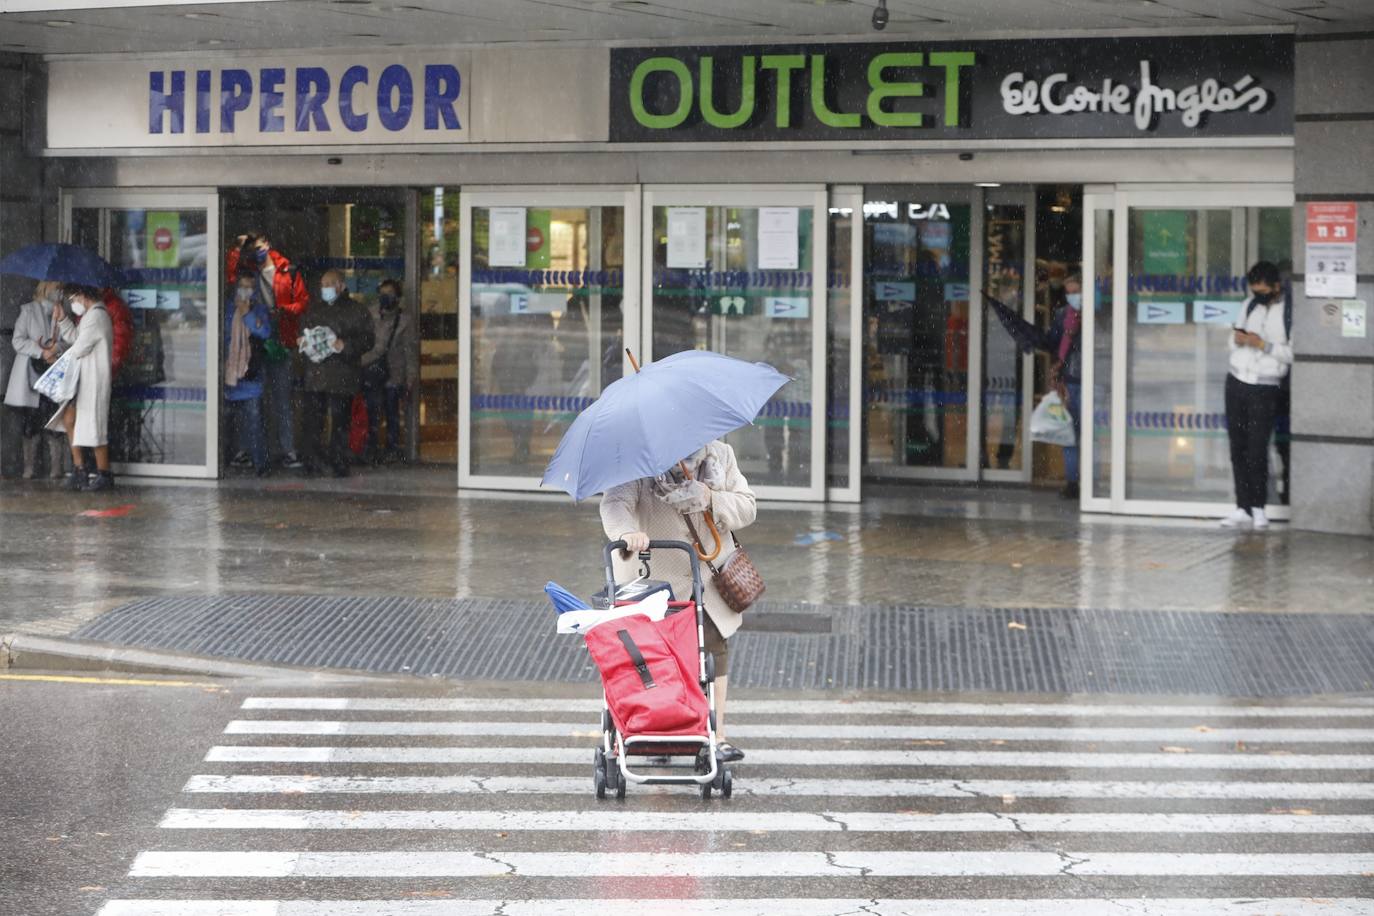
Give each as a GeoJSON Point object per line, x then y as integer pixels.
{"type": "Point", "coordinates": [1027, 336]}
{"type": "Point", "coordinates": [645, 423]}
{"type": "Point", "coordinates": [67, 263]}
{"type": "Point", "coordinates": [564, 600]}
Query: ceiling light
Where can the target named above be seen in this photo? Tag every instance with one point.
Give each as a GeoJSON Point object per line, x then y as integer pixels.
{"type": "Point", "coordinates": [987, 184]}
{"type": "Point", "coordinates": [58, 23]}
{"type": "Point", "coordinates": [211, 41]}
{"type": "Point", "coordinates": [880, 16]}
{"type": "Point", "coordinates": [200, 15]}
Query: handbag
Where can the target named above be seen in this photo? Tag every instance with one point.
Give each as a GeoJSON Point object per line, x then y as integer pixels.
{"type": "Point", "coordinates": [737, 579]}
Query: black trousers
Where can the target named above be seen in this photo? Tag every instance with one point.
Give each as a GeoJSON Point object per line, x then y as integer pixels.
{"type": "Point", "coordinates": [1250, 413]}
{"type": "Point", "coordinates": [338, 410]}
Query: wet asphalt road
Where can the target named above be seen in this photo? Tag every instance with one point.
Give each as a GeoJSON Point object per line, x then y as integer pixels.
{"type": "Point", "coordinates": [455, 799]}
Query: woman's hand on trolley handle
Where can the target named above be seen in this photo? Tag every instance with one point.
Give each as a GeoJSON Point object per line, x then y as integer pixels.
{"type": "Point", "coordinates": [635, 542]}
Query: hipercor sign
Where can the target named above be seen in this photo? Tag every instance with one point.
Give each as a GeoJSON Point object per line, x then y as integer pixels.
{"type": "Point", "coordinates": [322, 100]}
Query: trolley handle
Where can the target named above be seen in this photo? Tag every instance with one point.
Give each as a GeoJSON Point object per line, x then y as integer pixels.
{"type": "Point", "coordinates": [691, 552]}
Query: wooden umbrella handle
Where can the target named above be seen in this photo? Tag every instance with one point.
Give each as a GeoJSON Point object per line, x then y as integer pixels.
{"type": "Point", "coordinates": [710, 519]}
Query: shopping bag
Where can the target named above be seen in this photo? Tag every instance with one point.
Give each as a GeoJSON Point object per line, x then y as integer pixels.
{"type": "Point", "coordinates": [58, 384]}
{"type": "Point", "coordinates": [1051, 423]}
{"type": "Point", "coordinates": [318, 343]}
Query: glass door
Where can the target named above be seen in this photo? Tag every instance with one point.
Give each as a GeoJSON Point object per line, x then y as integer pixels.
{"type": "Point", "coordinates": [741, 271]}
{"type": "Point", "coordinates": [1007, 373]}
{"type": "Point", "coordinates": [1185, 255]}
{"type": "Point", "coordinates": [921, 413]}
{"type": "Point", "coordinates": [164, 412]}
{"type": "Point", "coordinates": [546, 304]}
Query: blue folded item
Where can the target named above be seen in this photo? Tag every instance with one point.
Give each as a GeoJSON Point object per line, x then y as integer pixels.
{"type": "Point", "coordinates": [564, 600]}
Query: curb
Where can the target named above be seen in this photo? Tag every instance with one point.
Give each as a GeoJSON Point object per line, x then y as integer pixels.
{"type": "Point", "coordinates": [21, 652]}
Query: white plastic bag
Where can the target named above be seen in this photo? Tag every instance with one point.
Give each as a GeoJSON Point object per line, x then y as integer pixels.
{"type": "Point", "coordinates": [655, 607]}
{"type": "Point", "coordinates": [58, 383]}
{"type": "Point", "coordinates": [1051, 422]}
{"type": "Point", "coordinates": [318, 344]}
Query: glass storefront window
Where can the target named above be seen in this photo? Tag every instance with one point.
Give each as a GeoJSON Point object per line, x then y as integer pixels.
{"type": "Point", "coordinates": [439, 217]}
{"type": "Point", "coordinates": [1103, 322]}
{"type": "Point", "coordinates": [1004, 277]}
{"type": "Point", "coordinates": [916, 309]}
{"type": "Point", "coordinates": [547, 334]}
{"type": "Point", "coordinates": [839, 288]}
{"type": "Point", "coordinates": [734, 306]}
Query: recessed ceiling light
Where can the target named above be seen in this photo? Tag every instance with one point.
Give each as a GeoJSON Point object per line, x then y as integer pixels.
{"type": "Point", "coordinates": [987, 184]}
{"type": "Point", "coordinates": [211, 41]}
{"type": "Point", "coordinates": [200, 15]}
{"type": "Point", "coordinates": [58, 23]}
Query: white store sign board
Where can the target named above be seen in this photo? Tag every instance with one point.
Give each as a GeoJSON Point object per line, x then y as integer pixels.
{"type": "Point", "coordinates": [506, 242]}
{"type": "Point", "coordinates": [778, 238]}
{"type": "Point", "coordinates": [687, 237]}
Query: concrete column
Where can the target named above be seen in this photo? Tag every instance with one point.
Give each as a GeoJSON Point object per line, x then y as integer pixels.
{"type": "Point", "coordinates": [1333, 376]}
{"type": "Point", "coordinates": [21, 182]}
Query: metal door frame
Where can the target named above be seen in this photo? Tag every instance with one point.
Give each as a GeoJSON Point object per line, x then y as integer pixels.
{"type": "Point", "coordinates": [540, 196]}
{"type": "Point", "coordinates": [815, 197]}
{"type": "Point", "coordinates": [851, 197]}
{"type": "Point", "coordinates": [1025, 196]}
{"type": "Point", "coordinates": [1120, 200]}
{"type": "Point", "coordinates": [107, 199]}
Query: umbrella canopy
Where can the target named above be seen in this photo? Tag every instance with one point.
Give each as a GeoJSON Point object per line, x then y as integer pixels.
{"type": "Point", "coordinates": [564, 600]}
{"type": "Point", "coordinates": [67, 263]}
{"type": "Point", "coordinates": [645, 423]}
{"type": "Point", "coordinates": [1026, 335]}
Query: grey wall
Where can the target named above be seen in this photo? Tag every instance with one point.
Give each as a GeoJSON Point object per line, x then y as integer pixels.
{"type": "Point", "coordinates": [21, 222]}
{"type": "Point", "coordinates": [1333, 377]}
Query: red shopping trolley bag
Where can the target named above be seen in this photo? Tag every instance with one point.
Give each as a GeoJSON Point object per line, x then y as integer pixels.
{"type": "Point", "coordinates": [648, 671]}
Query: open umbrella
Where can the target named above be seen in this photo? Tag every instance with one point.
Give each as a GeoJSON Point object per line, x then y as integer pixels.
{"type": "Point", "coordinates": [67, 263]}
{"type": "Point", "coordinates": [645, 423]}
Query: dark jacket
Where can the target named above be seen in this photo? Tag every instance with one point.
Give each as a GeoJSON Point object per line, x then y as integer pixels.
{"type": "Point", "coordinates": [342, 372]}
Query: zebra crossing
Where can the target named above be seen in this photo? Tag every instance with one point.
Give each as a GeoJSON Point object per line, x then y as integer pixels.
{"type": "Point", "coordinates": [449, 806]}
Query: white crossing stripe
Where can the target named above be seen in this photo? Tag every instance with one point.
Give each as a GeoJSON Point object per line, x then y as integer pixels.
{"type": "Point", "coordinates": [740, 864]}
{"type": "Point", "coordinates": [802, 757]}
{"type": "Point", "coordinates": [792, 906]}
{"type": "Point", "coordinates": [773, 822]}
{"type": "Point", "coordinates": [774, 788]}
{"type": "Point", "coordinates": [817, 707]}
{"type": "Point", "coordinates": [1202, 735]}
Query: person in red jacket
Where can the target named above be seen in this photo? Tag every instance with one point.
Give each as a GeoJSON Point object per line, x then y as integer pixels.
{"type": "Point", "coordinates": [283, 289]}
{"type": "Point", "coordinates": [123, 321]}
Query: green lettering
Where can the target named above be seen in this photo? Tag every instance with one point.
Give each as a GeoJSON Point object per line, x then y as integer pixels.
{"type": "Point", "coordinates": [746, 94]}
{"type": "Point", "coordinates": [951, 61]}
{"type": "Point", "coordinates": [784, 64]}
{"type": "Point", "coordinates": [818, 104]}
{"type": "Point", "coordinates": [684, 92]}
{"type": "Point", "coordinates": [880, 89]}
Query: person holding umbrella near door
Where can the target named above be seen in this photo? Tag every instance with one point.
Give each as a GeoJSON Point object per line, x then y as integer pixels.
{"type": "Point", "coordinates": [86, 417]}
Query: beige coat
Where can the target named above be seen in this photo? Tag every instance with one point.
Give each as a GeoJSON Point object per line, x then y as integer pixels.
{"type": "Point", "coordinates": [633, 506]}
{"type": "Point", "coordinates": [92, 347]}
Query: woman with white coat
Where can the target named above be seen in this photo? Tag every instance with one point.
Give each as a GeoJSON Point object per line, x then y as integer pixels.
{"type": "Point", "coordinates": [86, 419]}
{"type": "Point", "coordinates": [658, 508]}
{"type": "Point", "coordinates": [35, 345]}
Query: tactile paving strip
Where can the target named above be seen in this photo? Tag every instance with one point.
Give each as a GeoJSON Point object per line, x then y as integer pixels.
{"type": "Point", "coordinates": [1013, 650]}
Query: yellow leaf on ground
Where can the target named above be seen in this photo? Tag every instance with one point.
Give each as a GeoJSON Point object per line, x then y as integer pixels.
{"type": "Point", "coordinates": [1015, 625]}
{"type": "Point", "coordinates": [1174, 749]}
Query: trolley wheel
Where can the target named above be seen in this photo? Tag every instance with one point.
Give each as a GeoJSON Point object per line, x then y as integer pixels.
{"type": "Point", "coordinates": [719, 782]}
{"type": "Point", "coordinates": [727, 784]}
{"type": "Point", "coordinates": [619, 785]}
{"type": "Point", "coordinates": [599, 772]}
{"type": "Point", "coordinates": [706, 791]}
{"type": "Point", "coordinates": [613, 777]}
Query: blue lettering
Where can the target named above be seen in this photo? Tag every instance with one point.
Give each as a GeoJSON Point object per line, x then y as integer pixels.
{"type": "Point", "coordinates": [442, 84]}
{"type": "Point", "coordinates": [203, 101]}
{"type": "Point", "coordinates": [351, 78]}
{"type": "Point", "coordinates": [395, 81]}
{"type": "Point", "coordinates": [235, 94]}
{"type": "Point", "coordinates": [161, 102]}
{"type": "Point", "coordinates": [312, 91]}
{"type": "Point", "coordinates": [270, 80]}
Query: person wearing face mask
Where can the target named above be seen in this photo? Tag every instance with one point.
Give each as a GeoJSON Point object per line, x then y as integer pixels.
{"type": "Point", "coordinates": [36, 347]}
{"type": "Point", "coordinates": [670, 507]}
{"type": "Point", "coordinates": [86, 417]}
{"type": "Point", "coordinates": [1063, 340]}
{"type": "Point", "coordinates": [390, 369]}
{"type": "Point", "coordinates": [331, 384]}
{"type": "Point", "coordinates": [1261, 355]}
{"type": "Point", "coordinates": [282, 288]}
{"type": "Point", "coordinates": [247, 325]}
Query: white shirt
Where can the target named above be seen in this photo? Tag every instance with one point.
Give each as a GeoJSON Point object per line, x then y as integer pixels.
{"type": "Point", "coordinates": [1269, 365]}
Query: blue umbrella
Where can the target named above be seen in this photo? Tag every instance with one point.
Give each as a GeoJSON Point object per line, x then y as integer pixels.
{"type": "Point", "coordinates": [564, 600]}
{"type": "Point", "coordinates": [644, 424]}
{"type": "Point", "coordinates": [67, 263]}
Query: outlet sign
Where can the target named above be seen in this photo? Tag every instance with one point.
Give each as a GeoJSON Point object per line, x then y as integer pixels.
{"type": "Point", "coordinates": [1071, 88]}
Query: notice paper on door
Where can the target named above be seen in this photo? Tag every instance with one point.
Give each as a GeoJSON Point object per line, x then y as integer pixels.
{"type": "Point", "coordinates": [687, 237]}
{"type": "Point", "coordinates": [506, 237]}
{"type": "Point", "coordinates": [778, 238]}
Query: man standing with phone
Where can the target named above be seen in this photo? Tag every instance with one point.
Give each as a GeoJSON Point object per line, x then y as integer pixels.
{"type": "Point", "coordinates": [1261, 355]}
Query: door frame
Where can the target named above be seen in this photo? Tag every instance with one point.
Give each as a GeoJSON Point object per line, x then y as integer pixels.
{"type": "Point", "coordinates": [107, 199]}
{"type": "Point", "coordinates": [814, 196]}
{"type": "Point", "coordinates": [851, 198]}
{"type": "Point", "coordinates": [1023, 195]}
{"type": "Point", "coordinates": [1120, 199]}
{"type": "Point", "coordinates": [624, 196]}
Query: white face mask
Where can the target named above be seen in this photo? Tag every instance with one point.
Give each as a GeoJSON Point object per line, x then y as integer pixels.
{"type": "Point", "coordinates": [244, 294]}
{"type": "Point", "coordinates": [78, 308]}
{"type": "Point", "coordinates": [1075, 300]}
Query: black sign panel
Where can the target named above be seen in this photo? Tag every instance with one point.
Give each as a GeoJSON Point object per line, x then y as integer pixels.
{"type": "Point", "coordinates": [1076, 88]}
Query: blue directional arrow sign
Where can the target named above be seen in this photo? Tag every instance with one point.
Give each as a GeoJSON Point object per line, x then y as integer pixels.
{"type": "Point", "coordinates": [1161, 313]}
{"type": "Point", "coordinates": [139, 298]}
{"type": "Point", "coordinates": [888, 292]}
{"type": "Point", "coordinates": [1216, 311]}
{"type": "Point", "coordinates": [787, 307]}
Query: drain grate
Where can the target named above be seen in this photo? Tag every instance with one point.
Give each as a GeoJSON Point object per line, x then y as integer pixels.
{"type": "Point", "coordinates": [1012, 650]}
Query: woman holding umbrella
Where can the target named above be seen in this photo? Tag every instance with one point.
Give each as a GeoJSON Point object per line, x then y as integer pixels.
{"type": "Point", "coordinates": [86, 417]}
{"type": "Point", "coordinates": [672, 507]}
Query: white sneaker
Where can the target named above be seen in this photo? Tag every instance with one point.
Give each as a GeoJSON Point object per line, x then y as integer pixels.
{"type": "Point", "coordinates": [1259, 519]}
{"type": "Point", "coordinates": [1238, 518]}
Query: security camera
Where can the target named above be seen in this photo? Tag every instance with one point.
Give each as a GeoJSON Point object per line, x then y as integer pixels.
{"type": "Point", "coordinates": [880, 16]}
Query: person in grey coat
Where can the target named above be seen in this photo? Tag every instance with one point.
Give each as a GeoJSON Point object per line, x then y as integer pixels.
{"type": "Point", "coordinates": [331, 383]}
{"type": "Point", "coordinates": [391, 370]}
{"type": "Point", "coordinates": [36, 344]}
